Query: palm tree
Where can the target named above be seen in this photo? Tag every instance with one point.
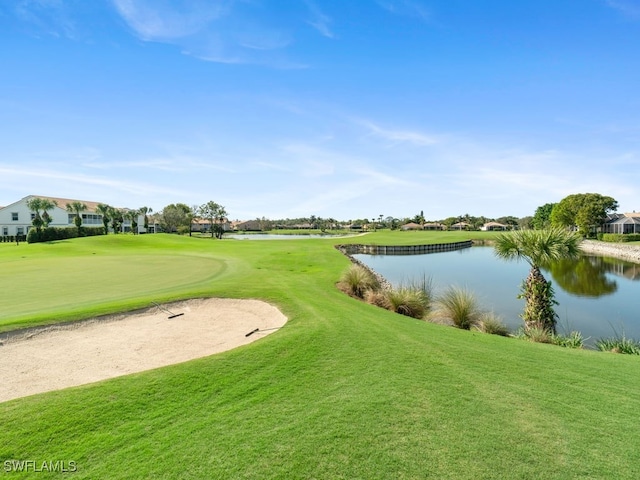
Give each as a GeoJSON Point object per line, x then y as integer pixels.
{"type": "Point", "coordinates": [35, 205]}
{"type": "Point", "coordinates": [77, 208]}
{"type": "Point", "coordinates": [146, 211]}
{"type": "Point", "coordinates": [115, 215]}
{"type": "Point", "coordinates": [104, 210]}
{"type": "Point", "coordinates": [538, 247]}
{"type": "Point", "coordinates": [221, 215]}
{"type": "Point", "coordinates": [132, 216]}
{"type": "Point", "coordinates": [47, 205]}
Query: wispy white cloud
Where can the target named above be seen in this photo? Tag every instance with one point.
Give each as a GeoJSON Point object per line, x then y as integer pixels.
{"type": "Point", "coordinates": [163, 165]}
{"type": "Point", "coordinates": [354, 186]}
{"type": "Point", "coordinates": [319, 20]}
{"type": "Point", "coordinates": [410, 8]}
{"type": "Point", "coordinates": [377, 178]}
{"type": "Point", "coordinates": [272, 166]}
{"type": "Point", "coordinates": [79, 182]}
{"type": "Point", "coordinates": [162, 20]}
{"type": "Point", "coordinates": [174, 164]}
{"type": "Point", "coordinates": [225, 31]}
{"type": "Point", "coordinates": [51, 17]}
{"type": "Point", "coordinates": [400, 136]}
{"type": "Point", "coordinates": [630, 8]}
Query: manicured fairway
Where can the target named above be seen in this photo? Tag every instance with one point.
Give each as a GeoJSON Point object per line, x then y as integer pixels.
{"type": "Point", "coordinates": [344, 390]}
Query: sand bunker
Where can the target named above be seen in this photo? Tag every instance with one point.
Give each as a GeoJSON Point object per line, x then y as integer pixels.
{"type": "Point", "coordinates": [94, 350]}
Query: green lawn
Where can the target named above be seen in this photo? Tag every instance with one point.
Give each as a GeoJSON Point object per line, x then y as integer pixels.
{"type": "Point", "coordinates": [344, 390]}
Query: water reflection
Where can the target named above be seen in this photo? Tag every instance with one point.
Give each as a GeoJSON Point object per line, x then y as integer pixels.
{"type": "Point", "coordinates": [585, 277]}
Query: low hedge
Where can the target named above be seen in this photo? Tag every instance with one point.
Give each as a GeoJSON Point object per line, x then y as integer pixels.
{"type": "Point", "coordinates": [620, 237]}
{"type": "Point", "coordinates": [51, 234]}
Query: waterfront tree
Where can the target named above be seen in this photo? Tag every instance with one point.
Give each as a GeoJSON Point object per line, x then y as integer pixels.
{"type": "Point", "coordinates": [192, 215]}
{"type": "Point", "coordinates": [175, 217]}
{"type": "Point", "coordinates": [216, 215]}
{"type": "Point", "coordinates": [525, 222]}
{"type": "Point", "coordinates": [221, 216]}
{"type": "Point", "coordinates": [538, 247]}
{"type": "Point", "coordinates": [587, 211]}
{"type": "Point", "coordinates": [542, 216]}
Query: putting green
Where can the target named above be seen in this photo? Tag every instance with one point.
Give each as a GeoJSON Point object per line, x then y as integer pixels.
{"type": "Point", "coordinates": [47, 285]}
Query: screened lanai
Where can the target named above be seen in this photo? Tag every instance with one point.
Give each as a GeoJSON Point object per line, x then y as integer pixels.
{"type": "Point", "coordinates": [625, 224]}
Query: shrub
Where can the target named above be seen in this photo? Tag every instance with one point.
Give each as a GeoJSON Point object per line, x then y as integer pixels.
{"type": "Point", "coordinates": [459, 306]}
{"type": "Point", "coordinates": [619, 237]}
{"type": "Point", "coordinates": [410, 301]}
{"type": "Point", "coordinates": [492, 324]}
{"type": "Point", "coordinates": [357, 280]}
{"type": "Point", "coordinates": [619, 344]}
{"type": "Point", "coordinates": [573, 340]}
{"type": "Point", "coordinates": [377, 298]}
{"type": "Point", "coordinates": [536, 333]}
{"type": "Point", "coordinates": [51, 234]}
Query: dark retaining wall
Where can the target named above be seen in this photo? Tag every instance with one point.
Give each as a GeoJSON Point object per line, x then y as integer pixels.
{"type": "Point", "coordinates": [355, 249]}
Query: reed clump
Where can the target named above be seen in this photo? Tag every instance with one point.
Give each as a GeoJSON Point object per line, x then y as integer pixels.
{"type": "Point", "coordinates": [357, 281]}
{"type": "Point", "coordinates": [458, 306]}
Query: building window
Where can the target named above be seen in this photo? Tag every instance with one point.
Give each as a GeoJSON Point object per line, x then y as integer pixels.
{"type": "Point", "coordinates": [72, 216]}
{"type": "Point", "coordinates": [20, 231]}
{"type": "Point", "coordinates": [91, 219]}
{"type": "Point", "coordinates": [14, 216]}
{"type": "Point", "coordinates": [33, 216]}
{"type": "Point", "coordinates": [5, 231]}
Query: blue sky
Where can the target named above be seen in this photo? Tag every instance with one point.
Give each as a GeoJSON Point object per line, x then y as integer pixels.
{"type": "Point", "coordinates": [335, 108]}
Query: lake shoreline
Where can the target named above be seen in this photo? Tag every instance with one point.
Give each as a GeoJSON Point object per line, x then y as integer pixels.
{"type": "Point", "coordinates": [616, 250]}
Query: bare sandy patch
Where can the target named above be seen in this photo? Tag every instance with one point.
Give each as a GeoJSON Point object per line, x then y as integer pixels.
{"type": "Point", "coordinates": [85, 352]}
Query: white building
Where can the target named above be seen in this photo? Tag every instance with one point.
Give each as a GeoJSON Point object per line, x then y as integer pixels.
{"type": "Point", "coordinates": [16, 218]}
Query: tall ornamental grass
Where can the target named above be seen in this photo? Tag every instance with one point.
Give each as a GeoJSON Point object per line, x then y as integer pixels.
{"type": "Point", "coordinates": [459, 306]}
{"type": "Point", "coordinates": [413, 299]}
{"type": "Point", "coordinates": [357, 280]}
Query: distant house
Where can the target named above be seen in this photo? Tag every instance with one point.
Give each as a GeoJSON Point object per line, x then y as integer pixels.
{"type": "Point", "coordinates": [493, 226]}
{"type": "Point", "coordinates": [17, 218]}
{"type": "Point", "coordinates": [304, 226]}
{"type": "Point", "coordinates": [248, 225]}
{"type": "Point", "coordinates": [411, 226]}
{"type": "Point", "coordinates": [433, 226]}
{"type": "Point", "coordinates": [203, 225]}
{"type": "Point", "coordinates": [622, 223]}
{"type": "Point", "coordinates": [460, 226]}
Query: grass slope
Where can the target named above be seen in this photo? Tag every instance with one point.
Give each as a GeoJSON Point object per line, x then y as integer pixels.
{"type": "Point", "coordinates": [344, 390]}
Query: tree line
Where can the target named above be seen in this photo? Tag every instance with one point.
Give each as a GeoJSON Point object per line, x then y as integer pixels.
{"type": "Point", "coordinates": [179, 217]}
{"type": "Point", "coordinates": [176, 217]}
{"type": "Point", "coordinates": [585, 212]}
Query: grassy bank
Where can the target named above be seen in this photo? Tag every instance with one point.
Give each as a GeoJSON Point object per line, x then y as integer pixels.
{"type": "Point", "coordinates": [344, 390]}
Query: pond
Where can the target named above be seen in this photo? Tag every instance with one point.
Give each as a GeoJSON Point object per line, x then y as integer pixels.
{"type": "Point", "coordinates": [597, 296]}
{"type": "Point", "coordinates": [276, 236]}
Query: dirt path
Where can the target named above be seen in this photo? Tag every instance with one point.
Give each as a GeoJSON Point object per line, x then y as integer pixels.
{"type": "Point", "coordinates": [90, 351]}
